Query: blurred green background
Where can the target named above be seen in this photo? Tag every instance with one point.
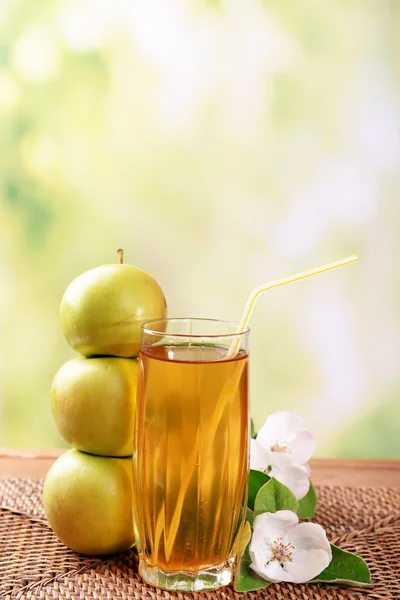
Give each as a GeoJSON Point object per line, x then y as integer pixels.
{"type": "Point", "coordinates": [221, 144]}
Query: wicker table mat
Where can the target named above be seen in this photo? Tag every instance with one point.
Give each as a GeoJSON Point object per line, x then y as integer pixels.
{"type": "Point", "coordinates": [34, 564]}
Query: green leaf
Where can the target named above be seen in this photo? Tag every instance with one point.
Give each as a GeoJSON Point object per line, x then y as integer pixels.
{"type": "Point", "coordinates": [246, 580]}
{"type": "Point", "coordinates": [308, 504]}
{"type": "Point", "coordinates": [250, 516]}
{"type": "Point", "coordinates": [256, 480]}
{"type": "Point", "coordinates": [244, 541]}
{"type": "Point", "coordinates": [274, 496]}
{"type": "Point", "coordinates": [345, 568]}
{"type": "Point", "coordinates": [253, 431]}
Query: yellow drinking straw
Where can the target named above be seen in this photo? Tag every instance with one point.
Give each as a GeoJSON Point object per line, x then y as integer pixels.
{"type": "Point", "coordinates": [277, 283]}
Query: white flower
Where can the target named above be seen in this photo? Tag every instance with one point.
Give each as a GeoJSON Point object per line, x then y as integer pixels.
{"type": "Point", "coordinates": [281, 549]}
{"type": "Point", "coordinates": [282, 449]}
{"type": "Point", "coordinates": [284, 440]}
{"type": "Point", "coordinates": [295, 477]}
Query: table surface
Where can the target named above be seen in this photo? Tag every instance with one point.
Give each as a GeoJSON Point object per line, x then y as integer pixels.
{"type": "Point", "coordinates": [34, 464]}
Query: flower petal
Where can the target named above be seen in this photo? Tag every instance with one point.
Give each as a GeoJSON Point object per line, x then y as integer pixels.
{"type": "Point", "coordinates": [261, 556]}
{"type": "Point", "coordinates": [306, 564]}
{"type": "Point", "coordinates": [258, 456]}
{"type": "Point", "coordinates": [272, 571]}
{"type": "Point", "coordinates": [280, 425]}
{"type": "Point", "coordinates": [295, 477]}
{"type": "Point", "coordinates": [302, 447]}
{"type": "Point", "coordinates": [270, 526]}
{"type": "Point", "coordinates": [312, 552]}
{"type": "Point", "coordinates": [308, 536]}
{"type": "Point", "coordinates": [279, 459]}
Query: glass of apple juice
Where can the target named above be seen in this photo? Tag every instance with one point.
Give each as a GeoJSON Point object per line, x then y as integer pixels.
{"type": "Point", "coordinates": [191, 452]}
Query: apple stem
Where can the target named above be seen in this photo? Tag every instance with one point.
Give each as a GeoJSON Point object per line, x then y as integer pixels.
{"type": "Point", "coordinates": [120, 253]}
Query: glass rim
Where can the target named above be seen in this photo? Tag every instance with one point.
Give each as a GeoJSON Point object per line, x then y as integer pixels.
{"type": "Point", "coordinates": [146, 329]}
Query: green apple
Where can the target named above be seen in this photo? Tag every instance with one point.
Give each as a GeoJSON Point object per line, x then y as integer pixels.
{"type": "Point", "coordinates": [88, 502]}
{"type": "Point", "coordinates": [103, 309]}
{"type": "Point", "coordinates": [93, 402]}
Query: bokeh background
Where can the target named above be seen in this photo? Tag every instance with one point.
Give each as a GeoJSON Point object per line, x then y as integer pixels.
{"type": "Point", "coordinates": [221, 144]}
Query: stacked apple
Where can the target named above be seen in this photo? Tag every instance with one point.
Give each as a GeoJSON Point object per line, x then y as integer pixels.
{"type": "Point", "coordinates": [88, 490]}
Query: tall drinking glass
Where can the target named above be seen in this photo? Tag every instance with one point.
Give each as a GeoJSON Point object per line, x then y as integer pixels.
{"type": "Point", "coordinates": [190, 456]}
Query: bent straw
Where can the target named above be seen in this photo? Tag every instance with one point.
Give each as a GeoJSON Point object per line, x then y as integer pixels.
{"type": "Point", "coordinates": [278, 283]}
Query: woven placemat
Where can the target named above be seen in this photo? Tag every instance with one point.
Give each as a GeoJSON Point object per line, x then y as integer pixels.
{"type": "Point", "coordinates": [34, 564]}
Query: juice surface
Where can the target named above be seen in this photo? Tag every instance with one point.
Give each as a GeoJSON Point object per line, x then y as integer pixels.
{"type": "Point", "coordinates": [190, 455]}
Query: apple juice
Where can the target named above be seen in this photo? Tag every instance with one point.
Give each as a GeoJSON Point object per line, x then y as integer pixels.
{"type": "Point", "coordinates": [190, 456]}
